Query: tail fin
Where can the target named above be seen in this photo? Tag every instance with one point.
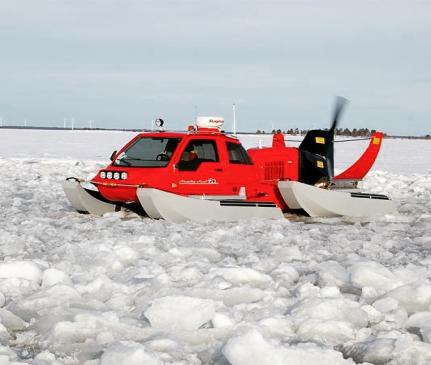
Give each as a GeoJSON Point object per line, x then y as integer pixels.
{"type": "Point", "coordinates": [361, 167]}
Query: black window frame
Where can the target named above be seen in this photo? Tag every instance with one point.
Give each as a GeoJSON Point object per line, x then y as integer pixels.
{"type": "Point", "coordinates": [245, 158]}
{"type": "Point", "coordinates": [193, 165]}
{"type": "Point", "coordinates": [149, 163]}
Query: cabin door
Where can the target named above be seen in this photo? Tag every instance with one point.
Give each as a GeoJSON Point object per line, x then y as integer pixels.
{"type": "Point", "coordinates": [199, 170]}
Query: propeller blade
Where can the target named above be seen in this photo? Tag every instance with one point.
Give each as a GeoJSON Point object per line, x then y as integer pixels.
{"type": "Point", "coordinates": [340, 103]}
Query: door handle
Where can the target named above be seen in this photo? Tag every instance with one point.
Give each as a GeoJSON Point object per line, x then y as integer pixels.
{"type": "Point", "coordinates": [218, 169]}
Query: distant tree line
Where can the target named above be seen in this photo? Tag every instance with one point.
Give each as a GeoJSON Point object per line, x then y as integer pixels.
{"type": "Point", "coordinates": [355, 132]}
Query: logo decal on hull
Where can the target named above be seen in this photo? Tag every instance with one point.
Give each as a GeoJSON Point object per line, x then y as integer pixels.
{"type": "Point", "coordinates": [210, 181]}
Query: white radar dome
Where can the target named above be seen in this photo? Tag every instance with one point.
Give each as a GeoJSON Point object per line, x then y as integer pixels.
{"type": "Point", "coordinates": [209, 122]}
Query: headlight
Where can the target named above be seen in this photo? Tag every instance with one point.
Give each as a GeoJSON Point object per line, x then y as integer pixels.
{"type": "Point", "coordinates": [103, 174]}
{"type": "Point", "coordinates": [124, 176]}
{"type": "Point", "coordinates": [109, 175]}
{"type": "Point", "coordinates": [116, 175]}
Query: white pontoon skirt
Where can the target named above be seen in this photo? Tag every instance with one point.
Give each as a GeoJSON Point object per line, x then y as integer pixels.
{"type": "Point", "coordinates": [87, 201]}
{"type": "Point", "coordinates": [319, 202]}
{"type": "Point", "coordinates": [177, 208]}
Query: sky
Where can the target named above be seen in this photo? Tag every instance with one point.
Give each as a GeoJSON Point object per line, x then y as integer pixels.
{"type": "Point", "coordinates": [122, 64]}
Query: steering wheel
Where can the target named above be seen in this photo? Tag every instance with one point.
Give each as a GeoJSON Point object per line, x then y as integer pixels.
{"type": "Point", "coordinates": [162, 157]}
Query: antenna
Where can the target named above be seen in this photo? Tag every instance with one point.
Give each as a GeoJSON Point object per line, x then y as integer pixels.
{"type": "Point", "coordinates": [73, 124]}
{"type": "Point", "coordinates": [234, 119]}
{"type": "Point", "coordinates": [90, 122]}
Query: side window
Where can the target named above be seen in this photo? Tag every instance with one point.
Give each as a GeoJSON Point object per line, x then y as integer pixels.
{"type": "Point", "coordinates": [196, 152]}
{"type": "Point", "coordinates": [237, 154]}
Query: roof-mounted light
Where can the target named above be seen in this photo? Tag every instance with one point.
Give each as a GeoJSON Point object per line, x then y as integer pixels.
{"type": "Point", "coordinates": [159, 122]}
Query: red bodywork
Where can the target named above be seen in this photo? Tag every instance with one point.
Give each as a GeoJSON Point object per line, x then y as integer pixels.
{"type": "Point", "coordinates": [258, 178]}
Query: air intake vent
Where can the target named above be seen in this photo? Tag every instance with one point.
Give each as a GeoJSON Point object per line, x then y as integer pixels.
{"type": "Point", "coordinates": [274, 170]}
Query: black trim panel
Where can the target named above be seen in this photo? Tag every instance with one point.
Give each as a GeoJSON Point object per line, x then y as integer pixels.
{"type": "Point", "coordinates": [239, 203]}
{"type": "Point", "coordinates": [369, 196]}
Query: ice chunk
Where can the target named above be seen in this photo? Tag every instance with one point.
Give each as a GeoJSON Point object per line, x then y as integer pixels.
{"type": "Point", "coordinates": [412, 297]}
{"type": "Point", "coordinates": [329, 321]}
{"type": "Point", "coordinates": [51, 277]}
{"type": "Point", "coordinates": [386, 305]}
{"type": "Point", "coordinates": [128, 353]}
{"type": "Point", "coordinates": [244, 275]}
{"type": "Point", "coordinates": [180, 313]}
{"type": "Point", "coordinates": [43, 301]}
{"type": "Point", "coordinates": [100, 288]}
{"type": "Point", "coordinates": [287, 254]}
{"type": "Point", "coordinates": [307, 290]}
{"type": "Point", "coordinates": [326, 332]}
{"type": "Point", "coordinates": [11, 321]}
{"type": "Point", "coordinates": [221, 320]}
{"type": "Point", "coordinates": [419, 319]}
{"type": "Point", "coordinates": [20, 269]}
{"type": "Point", "coordinates": [252, 348]}
{"type": "Point", "coordinates": [8, 357]}
{"type": "Point", "coordinates": [339, 309]}
{"type": "Point", "coordinates": [374, 275]}
{"type": "Point", "coordinates": [396, 350]}
{"type": "Point", "coordinates": [332, 273]}
{"type": "Point", "coordinates": [279, 326]}
{"type": "Point", "coordinates": [375, 351]}
{"type": "Point", "coordinates": [286, 274]}
{"type": "Point", "coordinates": [126, 255]}
{"type": "Point", "coordinates": [4, 334]}
{"type": "Point", "coordinates": [374, 316]}
{"type": "Point", "coordinates": [240, 295]}
{"type": "Point", "coordinates": [45, 358]}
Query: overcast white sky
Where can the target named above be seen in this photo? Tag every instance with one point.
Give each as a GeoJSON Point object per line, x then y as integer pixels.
{"type": "Point", "coordinates": [123, 63]}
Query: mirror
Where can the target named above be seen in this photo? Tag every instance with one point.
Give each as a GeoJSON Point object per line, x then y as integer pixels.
{"type": "Point", "coordinates": [113, 155]}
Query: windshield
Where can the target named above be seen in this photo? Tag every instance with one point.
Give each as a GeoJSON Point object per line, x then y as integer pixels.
{"type": "Point", "coordinates": [148, 152]}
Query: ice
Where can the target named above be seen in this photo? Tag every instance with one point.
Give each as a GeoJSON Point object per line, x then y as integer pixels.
{"type": "Point", "coordinates": [22, 270]}
{"type": "Point", "coordinates": [52, 277]}
{"type": "Point", "coordinates": [221, 320]}
{"type": "Point", "coordinates": [45, 358]}
{"type": "Point", "coordinates": [11, 321]}
{"type": "Point", "coordinates": [76, 289]}
{"type": "Point", "coordinates": [330, 321]}
{"type": "Point", "coordinates": [373, 274]}
{"type": "Point", "coordinates": [252, 348]}
{"type": "Point", "coordinates": [44, 301]}
{"type": "Point", "coordinates": [180, 313]}
{"type": "Point", "coordinates": [393, 349]}
{"type": "Point", "coordinates": [386, 305]}
{"type": "Point", "coordinates": [244, 275]}
{"type": "Point", "coordinates": [332, 273]}
{"type": "Point", "coordinates": [412, 297]}
{"type": "Point", "coordinates": [128, 353]}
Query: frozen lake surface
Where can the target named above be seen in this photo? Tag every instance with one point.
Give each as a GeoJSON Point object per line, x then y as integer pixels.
{"type": "Point", "coordinates": [120, 289]}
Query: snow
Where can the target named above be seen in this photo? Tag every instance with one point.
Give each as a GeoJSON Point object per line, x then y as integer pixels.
{"type": "Point", "coordinates": [79, 289]}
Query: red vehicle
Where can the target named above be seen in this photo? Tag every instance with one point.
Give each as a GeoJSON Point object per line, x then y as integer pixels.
{"type": "Point", "coordinates": [205, 174]}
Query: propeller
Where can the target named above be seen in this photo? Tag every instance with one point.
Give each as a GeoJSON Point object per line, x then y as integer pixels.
{"type": "Point", "coordinates": [317, 149]}
{"type": "Point", "coordinates": [340, 103]}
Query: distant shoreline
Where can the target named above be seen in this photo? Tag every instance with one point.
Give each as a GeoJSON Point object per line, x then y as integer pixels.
{"type": "Point", "coordinates": [427, 137]}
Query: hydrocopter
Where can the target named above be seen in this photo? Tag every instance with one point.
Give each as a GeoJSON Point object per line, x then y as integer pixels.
{"type": "Point", "coordinates": [204, 175]}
